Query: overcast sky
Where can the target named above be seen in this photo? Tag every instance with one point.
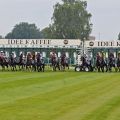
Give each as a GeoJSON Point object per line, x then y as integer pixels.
{"type": "Point", "coordinates": [105, 15]}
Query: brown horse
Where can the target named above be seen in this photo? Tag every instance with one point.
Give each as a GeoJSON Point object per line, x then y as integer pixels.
{"type": "Point", "coordinates": [29, 62]}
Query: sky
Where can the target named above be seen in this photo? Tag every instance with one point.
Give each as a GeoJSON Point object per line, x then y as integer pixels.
{"type": "Point", "coordinates": [105, 15]}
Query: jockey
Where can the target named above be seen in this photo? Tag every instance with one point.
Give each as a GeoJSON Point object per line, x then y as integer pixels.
{"type": "Point", "coordinates": [12, 57]}
{"type": "Point", "coordinates": [53, 55]}
{"type": "Point", "coordinates": [2, 54]}
{"type": "Point", "coordinates": [111, 58]}
{"type": "Point", "coordinates": [21, 58]}
{"type": "Point", "coordinates": [39, 57]}
{"type": "Point", "coordinates": [28, 56]}
{"type": "Point", "coordinates": [98, 55]}
{"type": "Point", "coordinates": [111, 55]}
{"type": "Point", "coordinates": [63, 55]}
{"type": "Point", "coordinates": [118, 61]}
{"type": "Point", "coordinates": [102, 54]}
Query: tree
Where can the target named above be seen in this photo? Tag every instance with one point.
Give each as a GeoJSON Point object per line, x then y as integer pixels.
{"type": "Point", "coordinates": [24, 31]}
{"type": "Point", "coordinates": [71, 20]}
{"type": "Point", "coordinates": [48, 33]}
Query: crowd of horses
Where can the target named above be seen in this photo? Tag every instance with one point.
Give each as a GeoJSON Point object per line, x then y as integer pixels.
{"type": "Point", "coordinates": [35, 62]}
{"type": "Point", "coordinates": [101, 63]}
{"type": "Point", "coordinates": [32, 62]}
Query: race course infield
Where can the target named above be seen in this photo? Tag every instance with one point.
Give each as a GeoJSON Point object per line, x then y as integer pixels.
{"type": "Point", "coordinates": [59, 96]}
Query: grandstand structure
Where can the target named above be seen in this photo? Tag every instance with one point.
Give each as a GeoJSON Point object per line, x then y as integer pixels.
{"type": "Point", "coordinates": [73, 48]}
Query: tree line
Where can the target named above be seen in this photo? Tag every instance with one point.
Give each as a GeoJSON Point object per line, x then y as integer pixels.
{"type": "Point", "coordinates": [71, 20]}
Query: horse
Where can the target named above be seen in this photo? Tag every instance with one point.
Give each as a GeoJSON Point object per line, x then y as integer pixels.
{"type": "Point", "coordinates": [2, 62]}
{"type": "Point", "coordinates": [12, 62]}
{"type": "Point", "coordinates": [63, 62]}
{"type": "Point", "coordinates": [67, 62]}
{"type": "Point", "coordinates": [101, 62]}
{"type": "Point", "coordinates": [29, 62]}
{"type": "Point", "coordinates": [20, 62]}
{"type": "Point", "coordinates": [86, 64]}
{"type": "Point", "coordinates": [118, 63]}
{"type": "Point", "coordinates": [40, 63]}
{"type": "Point", "coordinates": [54, 61]}
{"type": "Point", "coordinates": [33, 61]}
{"type": "Point", "coordinates": [6, 63]}
{"type": "Point", "coordinates": [98, 62]}
{"type": "Point", "coordinates": [111, 63]}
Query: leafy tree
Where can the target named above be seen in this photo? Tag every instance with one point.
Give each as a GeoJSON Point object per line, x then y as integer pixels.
{"type": "Point", "coordinates": [70, 20]}
{"type": "Point", "coordinates": [48, 33]}
{"type": "Point", "coordinates": [24, 31]}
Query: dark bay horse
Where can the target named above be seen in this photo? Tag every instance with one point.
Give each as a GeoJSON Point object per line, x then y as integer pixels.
{"type": "Point", "coordinates": [101, 63]}
{"type": "Point", "coordinates": [63, 62]}
{"type": "Point", "coordinates": [29, 62]}
{"type": "Point", "coordinates": [34, 62]}
{"type": "Point", "coordinates": [12, 62]}
{"type": "Point", "coordinates": [40, 63]}
{"type": "Point", "coordinates": [54, 61]}
{"type": "Point", "coordinates": [111, 63]}
{"type": "Point", "coordinates": [118, 62]}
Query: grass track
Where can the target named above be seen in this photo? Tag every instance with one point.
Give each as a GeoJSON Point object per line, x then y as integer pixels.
{"type": "Point", "coordinates": [59, 96]}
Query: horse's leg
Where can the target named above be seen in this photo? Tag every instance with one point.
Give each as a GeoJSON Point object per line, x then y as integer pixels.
{"type": "Point", "coordinates": [26, 67]}
{"type": "Point", "coordinates": [2, 67]}
{"type": "Point", "coordinates": [7, 67]}
{"type": "Point", "coordinates": [53, 68]}
{"type": "Point", "coordinates": [102, 68]}
{"type": "Point", "coordinates": [11, 67]}
{"type": "Point", "coordinates": [63, 67]}
{"type": "Point", "coordinates": [106, 67]}
{"type": "Point", "coordinates": [30, 68]}
{"type": "Point", "coordinates": [68, 66]}
{"type": "Point", "coordinates": [110, 68]}
{"type": "Point", "coordinates": [58, 66]}
{"type": "Point", "coordinates": [23, 66]}
{"type": "Point", "coordinates": [38, 68]}
{"type": "Point", "coordinates": [35, 67]}
{"type": "Point", "coordinates": [118, 67]}
{"type": "Point", "coordinates": [19, 66]}
{"type": "Point", "coordinates": [98, 68]}
{"type": "Point", "coordinates": [43, 67]}
{"type": "Point", "coordinates": [15, 67]}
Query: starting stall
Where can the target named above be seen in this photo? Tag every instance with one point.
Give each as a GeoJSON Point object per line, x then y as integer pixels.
{"type": "Point", "coordinates": [73, 48]}
{"type": "Point", "coordinates": [44, 46]}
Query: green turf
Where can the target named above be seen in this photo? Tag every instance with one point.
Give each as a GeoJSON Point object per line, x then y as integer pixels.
{"type": "Point", "coordinates": [59, 96]}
